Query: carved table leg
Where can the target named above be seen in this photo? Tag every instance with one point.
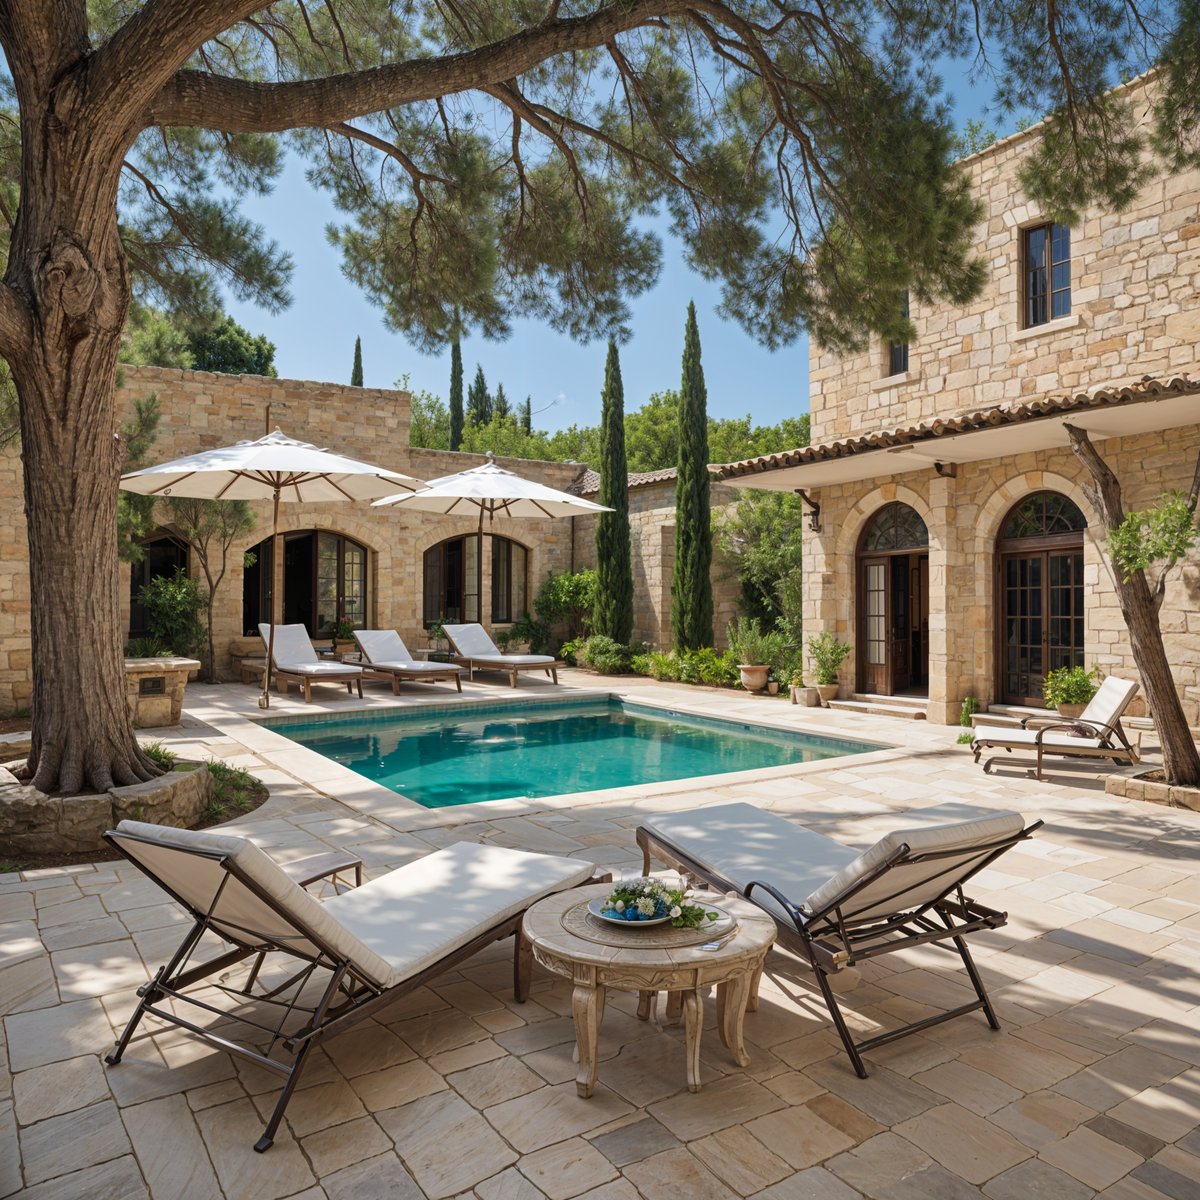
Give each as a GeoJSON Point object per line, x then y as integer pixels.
{"type": "Point", "coordinates": [752, 1000]}
{"type": "Point", "coordinates": [587, 1004]}
{"type": "Point", "coordinates": [674, 1006]}
{"type": "Point", "coordinates": [647, 1003]}
{"type": "Point", "coordinates": [732, 997]}
{"type": "Point", "coordinates": [693, 1017]}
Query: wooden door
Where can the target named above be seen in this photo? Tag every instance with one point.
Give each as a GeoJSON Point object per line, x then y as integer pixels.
{"type": "Point", "coordinates": [876, 626]}
{"type": "Point", "coordinates": [900, 623]}
{"type": "Point", "coordinates": [1042, 619]}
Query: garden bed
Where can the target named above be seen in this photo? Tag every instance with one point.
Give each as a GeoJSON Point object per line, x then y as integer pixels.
{"type": "Point", "coordinates": [1151, 786]}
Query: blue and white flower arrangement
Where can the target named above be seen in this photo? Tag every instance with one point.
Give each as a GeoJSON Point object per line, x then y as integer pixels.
{"type": "Point", "coordinates": [636, 900]}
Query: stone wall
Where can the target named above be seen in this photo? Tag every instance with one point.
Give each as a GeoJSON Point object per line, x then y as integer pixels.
{"type": "Point", "coordinates": [1135, 309]}
{"type": "Point", "coordinates": [652, 538]}
{"type": "Point", "coordinates": [201, 410]}
{"type": "Point", "coordinates": [964, 516]}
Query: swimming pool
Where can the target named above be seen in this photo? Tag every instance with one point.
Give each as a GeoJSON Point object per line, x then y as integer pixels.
{"type": "Point", "coordinates": [495, 752]}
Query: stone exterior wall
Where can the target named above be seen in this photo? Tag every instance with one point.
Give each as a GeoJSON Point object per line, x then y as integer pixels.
{"type": "Point", "coordinates": [652, 537]}
{"type": "Point", "coordinates": [1135, 311]}
{"type": "Point", "coordinates": [201, 410]}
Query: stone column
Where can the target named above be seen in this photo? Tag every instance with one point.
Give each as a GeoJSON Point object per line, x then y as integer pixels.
{"type": "Point", "coordinates": [946, 634]}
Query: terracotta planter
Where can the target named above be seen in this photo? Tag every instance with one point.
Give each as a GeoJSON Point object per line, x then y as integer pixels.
{"type": "Point", "coordinates": [827, 692]}
{"type": "Point", "coordinates": [754, 678]}
{"type": "Point", "coordinates": [1071, 711]}
{"type": "Point", "coordinates": [772, 687]}
{"type": "Point", "coordinates": [807, 696]}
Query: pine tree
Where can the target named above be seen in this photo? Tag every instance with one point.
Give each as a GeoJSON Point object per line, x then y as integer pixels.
{"type": "Point", "coordinates": [613, 614]}
{"type": "Point", "coordinates": [691, 587]}
{"type": "Point", "coordinates": [500, 405]}
{"type": "Point", "coordinates": [356, 371]}
{"type": "Point", "coordinates": [456, 394]}
{"type": "Point", "coordinates": [479, 401]}
{"type": "Point", "coordinates": [527, 415]}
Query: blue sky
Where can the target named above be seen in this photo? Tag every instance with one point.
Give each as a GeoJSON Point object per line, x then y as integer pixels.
{"type": "Point", "coordinates": [314, 337]}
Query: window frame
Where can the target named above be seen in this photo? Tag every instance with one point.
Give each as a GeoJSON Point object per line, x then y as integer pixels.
{"type": "Point", "coordinates": [896, 358]}
{"type": "Point", "coordinates": [500, 573]}
{"type": "Point", "coordinates": [1053, 235]}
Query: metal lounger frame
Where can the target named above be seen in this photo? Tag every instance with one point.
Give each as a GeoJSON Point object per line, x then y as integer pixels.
{"type": "Point", "coordinates": [348, 997]}
{"type": "Point", "coordinates": [833, 938]}
{"type": "Point", "coordinates": [1105, 733]}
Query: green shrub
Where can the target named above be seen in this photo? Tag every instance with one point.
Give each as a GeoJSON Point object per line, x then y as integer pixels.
{"type": "Point", "coordinates": [664, 667]}
{"type": "Point", "coordinates": [158, 754]}
{"type": "Point", "coordinates": [1070, 685]}
{"type": "Point", "coordinates": [606, 657]}
{"type": "Point", "coordinates": [146, 647]}
{"type": "Point", "coordinates": [567, 599]}
{"type": "Point", "coordinates": [708, 667]}
{"type": "Point", "coordinates": [525, 631]}
{"type": "Point", "coordinates": [965, 737]}
{"type": "Point", "coordinates": [570, 651]}
{"type": "Point", "coordinates": [827, 652]}
{"type": "Point", "coordinates": [970, 706]}
{"type": "Point", "coordinates": [233, 787]}
{"type": "Point", "coordinates": [642, 664]}
{"type": "Point", "coordinates": [173, 607]}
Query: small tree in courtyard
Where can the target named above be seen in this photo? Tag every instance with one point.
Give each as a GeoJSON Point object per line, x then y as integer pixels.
{"type": "Point", "coordinates": [356, 375]}
{"type": "Point", "coordinates": [456, 394]}
{"type": "Point", "coordinates": [691, 585]}
{"type": "Point", "coordinates": [210, 528]}
{"type": "Point", "coordinates": [479, 400]}
{"type": "Point", "coordinates": [614, 570]}
{"type": "Point", "coordinates": [1144, 547]}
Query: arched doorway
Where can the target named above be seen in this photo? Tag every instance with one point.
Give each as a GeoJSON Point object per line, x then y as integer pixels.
{"type": "Point", "coordinates": [453, 582]}
{"type": "Point", "coordinates": [324, 581]}
{"type": "Point", "coordinates": [162, 555]}
{"type": "Point", "coordinates": [1040, 601]}
{"type": "Point", "coordinates": [893, 602]}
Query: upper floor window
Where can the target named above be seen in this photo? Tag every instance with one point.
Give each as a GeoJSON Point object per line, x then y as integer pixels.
{"type": "Point", "coordinates": [1046, 253]}
{"type": "Point", "coordinates": [897, 354]}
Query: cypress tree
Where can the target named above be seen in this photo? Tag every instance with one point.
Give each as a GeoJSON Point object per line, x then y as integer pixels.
{"type": "Point", "coordinates": [613, 614]}
{"type": "Point", "coordinates": [456, 394]}
{"type": "Point", "coordinates": [479, 402]}
{"type": "Point", "coordinates": [527, 415]}
{"type": "Point", "coordinates": [356, 370]}
{"type": "Point", "coordinates": [500, 406]}
{"type": "Point", "coordinates": [691, 587]}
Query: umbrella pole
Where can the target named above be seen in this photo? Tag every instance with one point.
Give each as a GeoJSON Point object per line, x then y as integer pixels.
{"type": "Point", "coordinates": [264, 701]}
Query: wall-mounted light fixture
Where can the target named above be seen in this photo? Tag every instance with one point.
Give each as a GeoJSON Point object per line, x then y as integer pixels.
{"type": "Point", "coordinates": [814, 510]}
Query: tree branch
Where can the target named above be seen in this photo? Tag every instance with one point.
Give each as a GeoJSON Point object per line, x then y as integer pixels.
{"type": "Point", "coordinates": [1106, 494]}
{"type": "Point", "coordinates": [241, 106]}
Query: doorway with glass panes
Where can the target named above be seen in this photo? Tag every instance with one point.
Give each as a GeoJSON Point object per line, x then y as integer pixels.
{"type": "Point", "coordinates": [1040, 595]}
{"type": "Point", "coordinates": [893, 603]}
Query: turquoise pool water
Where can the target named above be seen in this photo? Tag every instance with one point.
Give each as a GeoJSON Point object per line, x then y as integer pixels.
{"type": "Point", "coordinates": [544, 750]}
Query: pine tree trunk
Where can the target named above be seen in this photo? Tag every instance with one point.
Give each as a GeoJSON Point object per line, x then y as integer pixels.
{"type": "Point", "coordinates": [67, 263]}
{"type": "Point", "coordinates": [1181, 762]}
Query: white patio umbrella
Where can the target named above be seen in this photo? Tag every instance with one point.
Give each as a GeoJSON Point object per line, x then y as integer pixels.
{"type": "Point", "coordinates": [275, 468]}
{"type": "Point", "coordinates": [495, 492]}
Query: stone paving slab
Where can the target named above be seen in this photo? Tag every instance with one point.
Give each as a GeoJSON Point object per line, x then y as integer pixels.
{"type": "Point", "coordinates": [1092, 1088]}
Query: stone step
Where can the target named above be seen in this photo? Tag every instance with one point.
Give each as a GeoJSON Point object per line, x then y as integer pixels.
{"type": "Point", "coordinates": [893, 701]}
{"type": "Point", "coordinates": [1022, 710]}
{"type": "Point", "coordinates": [914, 710]}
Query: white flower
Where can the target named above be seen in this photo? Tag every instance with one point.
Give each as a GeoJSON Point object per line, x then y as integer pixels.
{"type": "Point", "coordinates": [646, 906]}
{"type": "Point", "coordinates": [619, 906]}
{"type": "Point", "coordinates": [676, 912]}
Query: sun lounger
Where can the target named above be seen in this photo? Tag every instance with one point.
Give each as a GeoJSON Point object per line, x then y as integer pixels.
{"type": "Point", "coordinates": [1096, 733]}
{"type": "Point", "coordinates": [385, 656]}
{"type": "Point", "coordinates": [347, 957]}
{"type": "Point", "coordinates": [295, 662]}
{"type": "Point", "coordinates": [836, 907]}
{"type": "Point", "coordinates": [477, 652]}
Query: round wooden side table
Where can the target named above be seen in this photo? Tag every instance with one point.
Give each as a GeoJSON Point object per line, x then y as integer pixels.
{"type": "Point", "coordinates": [564, 940]}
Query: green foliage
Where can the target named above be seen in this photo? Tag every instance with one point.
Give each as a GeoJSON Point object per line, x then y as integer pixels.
{"type": "Point", "coordinates": [500, 405]}
{"type": "Point", "coordinates": [173, 612]}
{"type": "Point", "coordinates": [605, 656]}
{"type": "Point", "coordinates": [570, 651]}
{"type": "Point", "coordinates": [1070, 685]}
{"type": "Point", "coordinates": [135, 514]}
{"type": "Point", "coordinates": [343, 631]}
{"type": "Point", "coordinates": [965, 738]}
{"type": "Point", "coordinates": [567, 599]}
{"type": "Point", "coordinates": [479, 400]}
{"type": "Point", "coordinates": [233, 787]}
{"type": "Point", "coordinates": [1158, 538]}
{"type": "Point", "coordinates": [762, 534]}
{"type": "Point", "coordinates": [751, 645]}
{"type": "Point", "coordinates": [525, 631]}
{"type": "Point", "coordinates": [973, 137]}
{"type": "Point", "coordinates": [10, 410]}
{"type": "Point", "coordinates": [158, 754]}
{"type": "Point", "coordinates": [525, 415]}
{"type": "Point", "coordinates": [504, 437]}
{"type": "Point", "coordinates": [356, 371]}
{"type": "Point", "coordinates": [1177, 122]}
{"type": "Point", "coordinates": [232, 350]}
{"type": "Point", "coordinates": [614, 567]}
{"type": "Point", "coordinates": [431, 426]}
{"type": "Point", "coordinates": [455, 415]}
{"type": "Point", "coordinates": [827, 652]}
{"type": "Point", "coordinates": [691, 582]}
{"type": "Point", "coordinates": [146, 647]}
{"type": "Point", "coordinates": [153, 339]}
{"type": "Point", "coordinates": [970, 706]}
{"type": "Point", "coordinates": [705, 666]}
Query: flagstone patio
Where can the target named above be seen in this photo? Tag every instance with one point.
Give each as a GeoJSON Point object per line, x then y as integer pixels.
{"type": "Point", "coordinates": [1092, 1087]}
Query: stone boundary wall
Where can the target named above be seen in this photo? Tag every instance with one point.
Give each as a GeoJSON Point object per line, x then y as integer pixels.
{"type": "Point", "coordinates": [1135, 309]}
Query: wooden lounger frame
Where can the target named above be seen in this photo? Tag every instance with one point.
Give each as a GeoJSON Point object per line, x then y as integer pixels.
{"type": "Point", "coordinates": [834, 938]}
{"type": "Point", "coordinates": [284, 678]}
{"type": "Point", "coordinates": [512, 670]}
{"type": "Point", "coordinates": [396, 674]}
{"type": "Point", "coordinates": [347, 998]}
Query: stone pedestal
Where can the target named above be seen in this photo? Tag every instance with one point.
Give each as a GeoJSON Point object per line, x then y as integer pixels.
{"type": "Point", "coordinates": [154, 689]}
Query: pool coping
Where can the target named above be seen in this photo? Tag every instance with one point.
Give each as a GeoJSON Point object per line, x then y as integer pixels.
{"type": "Point", "coordinates": [399, 812]}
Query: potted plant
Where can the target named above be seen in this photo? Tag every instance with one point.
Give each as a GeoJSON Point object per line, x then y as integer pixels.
{"type": "Point", "coordinates": [1070, 689]}
{"type": "Point", "coordinates": [748, 643]}
{"type": "Point", "coordinates": [343, 637]}
{"type": "Point", "coordinates": [772, 685]}
{"type": "Point", "coordinates": [827, 652]}
{"type": "Point", "coordinates": [800, 694]}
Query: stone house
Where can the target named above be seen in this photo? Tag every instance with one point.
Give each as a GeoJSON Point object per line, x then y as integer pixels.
{"type": "Point", "coordinates": [382, 567]}
{"type": "Point", "coordinates": [951, 537]}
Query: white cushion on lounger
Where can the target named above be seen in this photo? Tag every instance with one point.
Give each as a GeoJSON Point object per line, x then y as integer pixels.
{"type": "Point", "coordinates": [417, 668]}
{"type": "Point", "coordinates": [418, 914]}
{"type": "Point", "coordinates": [513, 660]}
{"type": "Point", "coordinates": [381, 644]}
{"type": "Point", "coordinates": [471, 640]}
{"type": "Point", "coordinates": [340, 670]}
{"type": "Point", "coordinates": [743, 843]}
{"type": "Point", "coordinates": [292, 646]}
{"type": "Point", "coordinates": [1028, 737]}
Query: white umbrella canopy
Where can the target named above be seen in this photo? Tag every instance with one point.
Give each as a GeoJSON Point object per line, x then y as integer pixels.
{"type": "Point", "coordinates": [274, 467]}
{"type": "Point", "coordinates": [494, 492]}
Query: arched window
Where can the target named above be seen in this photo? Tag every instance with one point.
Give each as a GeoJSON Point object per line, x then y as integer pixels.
{"type": "Point", "coordinates": [895, 527]}
{"type": "Point", "coordinates": [324, 582]}
{"type": "Point", "coordinates": [453, 584]}
{"type": "Point", "coordinates": [162, 555]}
{"type": "Point", "coordinates": [1044, 514]}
